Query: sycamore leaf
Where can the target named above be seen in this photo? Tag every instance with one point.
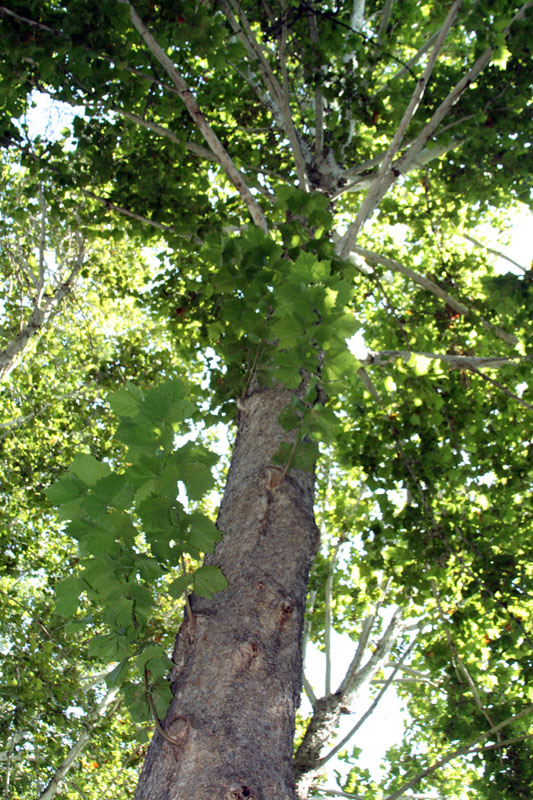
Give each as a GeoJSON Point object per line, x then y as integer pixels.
{"type": "Point", "coordinates": [203, 533]}
{"type": "Point", "coordinates": [179, 586]}
{"type": "Point", "coordinates": [209, 579]}
{"type": "Point", "coordinates": [88, 469]}
{"type": "Point", "coordinates": [66, 489]}
{"type": "Point", "coordinates": [67, 595]}
{"type": "Point", "coordinates": [116, 675]}
{"type": "Point", "coordinates": [126, 402]}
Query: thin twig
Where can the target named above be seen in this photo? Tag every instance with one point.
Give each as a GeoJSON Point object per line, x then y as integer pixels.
{"type": "Point", "coordinates": [493, 251]}
{"type": "Point", "coordinates": [502, 388]}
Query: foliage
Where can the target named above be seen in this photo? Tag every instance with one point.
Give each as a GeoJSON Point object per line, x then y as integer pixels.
{"type": "Point", "coordinates": [296, 220]}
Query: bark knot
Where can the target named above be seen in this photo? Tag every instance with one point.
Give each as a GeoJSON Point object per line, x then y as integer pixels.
{"type": "Point", "coordinates": [242, 793]}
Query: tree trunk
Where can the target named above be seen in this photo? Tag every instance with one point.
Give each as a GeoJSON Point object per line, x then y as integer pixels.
{"type": "Point", "coordinates": [238, 664]}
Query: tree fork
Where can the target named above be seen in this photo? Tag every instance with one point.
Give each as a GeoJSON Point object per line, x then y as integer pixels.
{"type": "Point", "coordinates": [238, 665]}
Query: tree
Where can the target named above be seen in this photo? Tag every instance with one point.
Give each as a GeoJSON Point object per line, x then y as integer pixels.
{"type": "Point", "coordinates": [305, 172]}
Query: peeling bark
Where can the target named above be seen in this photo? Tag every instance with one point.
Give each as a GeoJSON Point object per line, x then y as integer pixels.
{"type": "Point", "coordinates": [238, 664]}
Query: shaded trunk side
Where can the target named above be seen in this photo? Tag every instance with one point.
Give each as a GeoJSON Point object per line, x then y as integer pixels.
{"type": "Point", "coordinates": [238, 665]}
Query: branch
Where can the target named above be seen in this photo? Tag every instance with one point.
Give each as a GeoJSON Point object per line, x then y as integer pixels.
{"type": "Point", "coordinates": [429, 129]}
{"type": "Point", "coordinates": [198, 117]}
{"type": "Point", "coordinates": [13, 424]}
{"type": "Point", "coordinates": [305, 638]}
{"type": "Point", "coordinates": [459, 752]}
{"type": "Point", "coordinates": [319, 103]}
{"type": "Point", "coordinates": [462, 667]}
{"type": "Point", "coordinates": [370, 710]}
{"type": "Point", "coordinates": [278, 96]}
{"type": "Point", "coordinates": [386, 175]}
{"type": "Point", "coordinates": [411, 63]}
{"type": "Point", "coordinates": [426, 283]}
{"type": "Point", "coordinates": [337, 793]}
{"type": "Point", "coordinates": [286, 109]}
{"type": "Point", "coordinates": [327, 621]}
{"type": "Point", "coordinates": [503, 388]}
{"type": "Point", "coordinates": [493, 251]}
{"type": "Point", "coordinates": [458, 362]}
{"type": "Point", "coordinates": [356, 678]}
{"type": "Point", "coordinates": [385, 18]}
{"type": "Point", "coordinates": [367, 178]}
{"type": "Point", "coordinates": [79, 746]}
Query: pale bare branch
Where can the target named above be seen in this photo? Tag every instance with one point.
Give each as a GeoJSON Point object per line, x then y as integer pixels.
{"type": "Point", "coordinates": [370, 710]}
{"type": "Point", "coordinates": [286, 109]}
{"type": "Point", "coordinates": [338, 793]}
{"type": "Point", "coordinates": [386, 175]}
{"type": "Point", "coordinates": [358, 15]}
{"type": "Point", "coordinates": [357, 677]}
{"type": "Point", "coordinates": [327, 620]}
{"type": "Point", "coordinates": [279, 96]}
{"type": "Point", "coordinates": [493, 251]}
{"type": "Point", "coordinates": [429, 129]}
{"type": "Point", "coordinates": [364, 177]}
{"type": "Point", "coordinates": [458, 752]}
{"type": "Point", "coordinates": [456, 361]}
{"type": "Point", "coordinates": [426, 283]}
{"type": "Point", "coordinates": [318, 100]}
{"type": "Point", "coordinates": [42, 312]}
{"type": "Point", "coordinates": [78, 747]}
{"type": "Point", "coordinates": [385, 19]}
{"type": "Point", "coordinates": [214, 143]}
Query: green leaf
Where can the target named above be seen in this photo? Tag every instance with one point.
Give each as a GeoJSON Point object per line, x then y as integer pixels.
{"type": "Point", "coordinates": [208, 580]}
{"type": "Point", "coordinates": [179, 586]}
{"type": "Point", "coordinates": [65, 490]}
{"type": "Point", "coordinates": [88, 469]}
{"type": "Point", "coordinates": [203, 534]}
{"type": "Point", "coordinates": [67, 595]}
{"type": "Point", "coordinates": [126, 402]}
{"type": "Point", "coordinates": [115, 677]}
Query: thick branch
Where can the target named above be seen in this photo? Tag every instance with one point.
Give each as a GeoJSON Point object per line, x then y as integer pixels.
{"type": "Point", "coordinates": [193, 108]}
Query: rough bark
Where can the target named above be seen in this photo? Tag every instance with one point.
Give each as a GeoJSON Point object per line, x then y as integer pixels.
{"type": "Point", "coordinates": [238, 664]}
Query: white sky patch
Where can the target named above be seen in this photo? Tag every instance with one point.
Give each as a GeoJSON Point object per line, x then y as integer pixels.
{"type": "Point", "coordinates": [48, 117]}
{"type": "Point", "coordinates": [383, 728]}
